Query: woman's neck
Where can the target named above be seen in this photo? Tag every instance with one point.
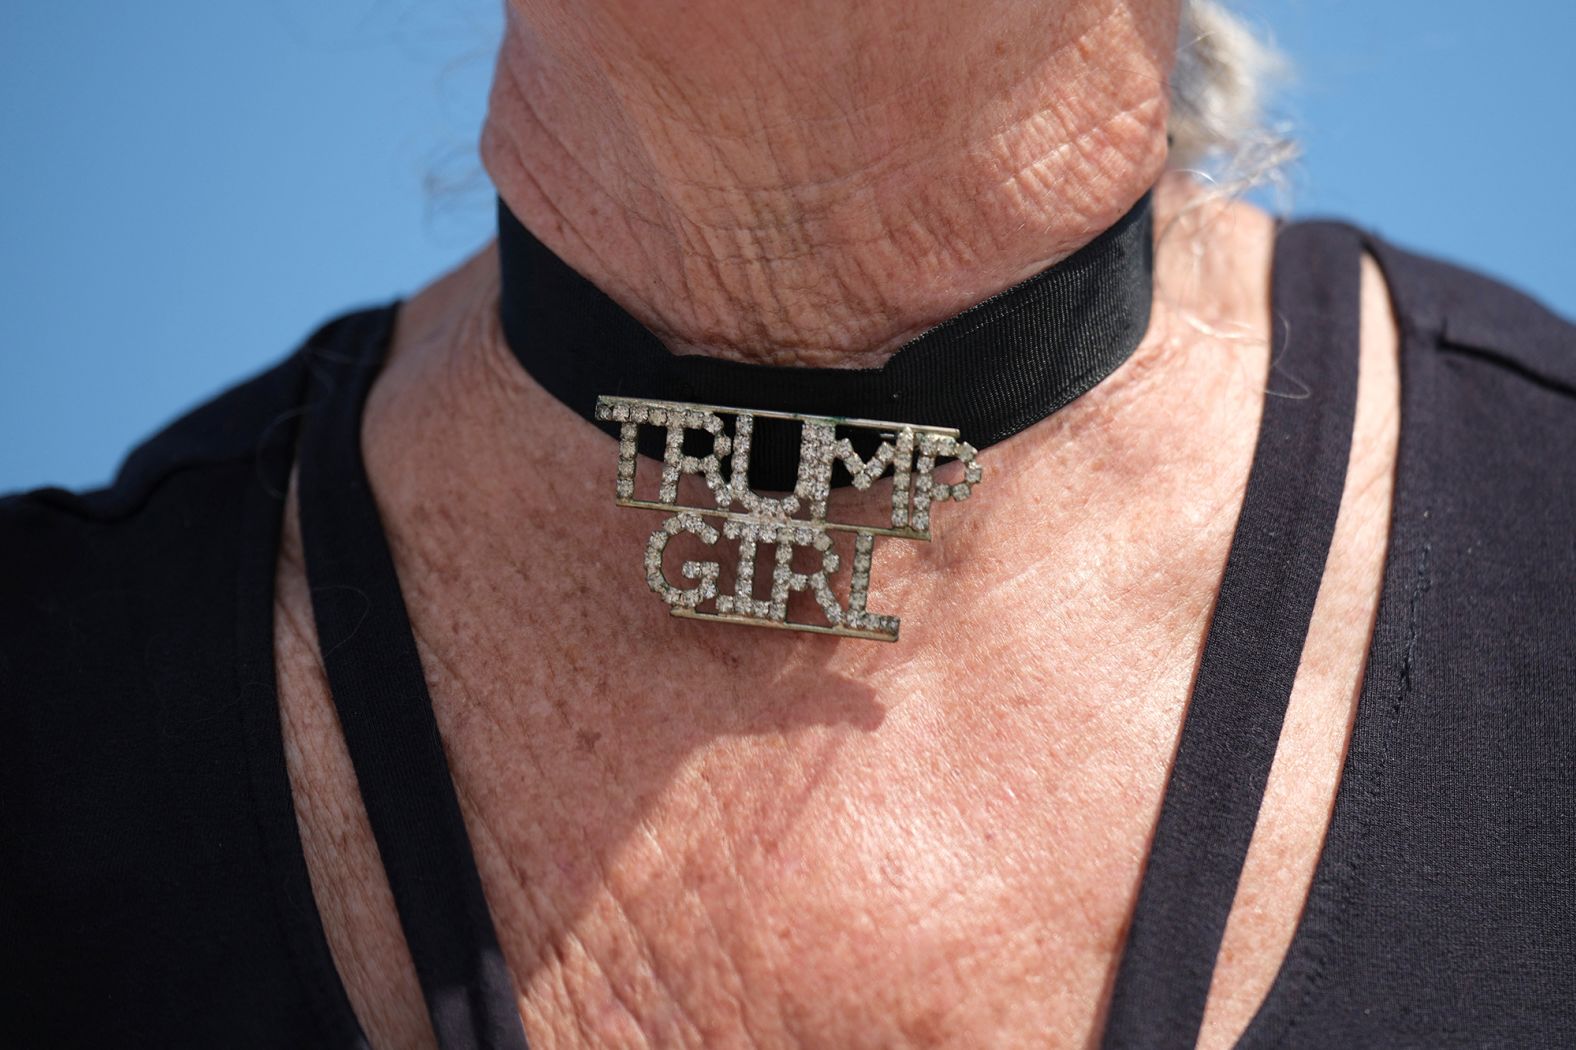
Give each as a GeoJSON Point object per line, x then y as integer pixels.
{"type": "Point", "coordinates": [582, 723]}
{"type": "Point", "coordinates": [806, 197]}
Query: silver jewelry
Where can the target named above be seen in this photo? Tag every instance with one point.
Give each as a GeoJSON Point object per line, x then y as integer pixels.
{"type": "Point", "coordinates": [908, 452]}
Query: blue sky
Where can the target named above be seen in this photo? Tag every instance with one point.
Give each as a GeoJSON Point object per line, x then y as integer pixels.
{"type": "Point", "coordinates": [187, 188]}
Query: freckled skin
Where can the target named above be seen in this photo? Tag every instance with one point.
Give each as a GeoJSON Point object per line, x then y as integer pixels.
{"type": "Point", "coordinates": [693, 834]}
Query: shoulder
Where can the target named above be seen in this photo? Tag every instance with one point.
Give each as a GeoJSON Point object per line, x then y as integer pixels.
{"type": "Point", "coordinates": [1486, 490]}
{"type": "Point", "coordinates": [1488, 404]}
{"type": "Point", "coordinates": [59, 546]}
{"type": "Point", "coordinates": [135, 698]}
{"type": "Point", "coordinates": [1464, 313]}
{"type": "Point", "coordinates": [1488, 410]}
{"type": "Point", "coordinates": [229, 428]}
{"type": "Point", "coordinates": [89, 576]}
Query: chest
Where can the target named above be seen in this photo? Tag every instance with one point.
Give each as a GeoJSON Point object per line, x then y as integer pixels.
{"type": "Point", "coordinates": [690, 845]}
{"type": "Point", "coordinates": [849, 882]}
{"type": "Point", "coordinates": [692, 834]}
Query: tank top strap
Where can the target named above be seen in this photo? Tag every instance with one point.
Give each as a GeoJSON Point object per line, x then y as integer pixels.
{"type": "Point", "coordinates": [386, 716]}
{"type": "Point", "coordinates": [1253, 646]}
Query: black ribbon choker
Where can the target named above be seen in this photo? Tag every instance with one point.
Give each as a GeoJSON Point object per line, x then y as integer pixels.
{"type": "Point", "coordinates": [995, 369]}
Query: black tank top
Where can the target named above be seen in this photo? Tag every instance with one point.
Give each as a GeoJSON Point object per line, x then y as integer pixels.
{"type": "Point", "coordinates": [153, 890]}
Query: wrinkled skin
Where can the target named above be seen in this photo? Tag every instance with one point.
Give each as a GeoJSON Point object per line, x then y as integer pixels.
{"type": "Point", "coordinates": [692, 834]}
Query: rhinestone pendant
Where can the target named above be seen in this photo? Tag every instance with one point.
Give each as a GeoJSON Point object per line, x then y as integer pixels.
{"type": "Point", "coordinates": [782, 525]}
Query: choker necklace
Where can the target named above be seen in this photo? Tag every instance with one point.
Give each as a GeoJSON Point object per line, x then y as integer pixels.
{"type": "Point", "coordinates": [969, 382]}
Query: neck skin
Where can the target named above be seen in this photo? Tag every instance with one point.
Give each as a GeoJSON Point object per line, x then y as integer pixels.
{"type": "Point", "coordinates": [679, 824]}
{"type": "Point", "coordinates": [755, 188]}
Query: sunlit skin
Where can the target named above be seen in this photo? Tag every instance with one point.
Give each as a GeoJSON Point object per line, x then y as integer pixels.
{"type": "Point", "coordinates": [698, 834]}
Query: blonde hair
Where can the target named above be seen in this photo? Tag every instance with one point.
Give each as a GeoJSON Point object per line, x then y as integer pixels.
{"type": "Point", "coordinates": [1219, 88]}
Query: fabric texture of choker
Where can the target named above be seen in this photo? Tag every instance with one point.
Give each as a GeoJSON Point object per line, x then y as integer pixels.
{"type": "Point", "coordinates": [989, 372]}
